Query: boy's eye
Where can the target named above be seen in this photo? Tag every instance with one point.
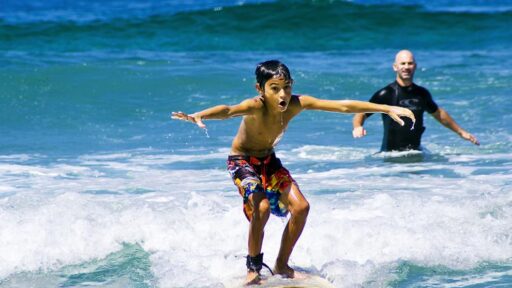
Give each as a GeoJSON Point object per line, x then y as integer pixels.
{"type": "Point", "coordinates": [275, 89]}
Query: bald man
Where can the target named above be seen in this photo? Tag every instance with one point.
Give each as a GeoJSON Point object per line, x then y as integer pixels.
{"type": "Point", "coordinates": [403, 92]}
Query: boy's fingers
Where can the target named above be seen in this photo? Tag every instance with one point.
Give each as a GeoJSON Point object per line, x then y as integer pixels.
{"type": "Point", "coordinates": [196, 119]}
{"type": "Point", "coordinates": [182, 116]}
{"type": "Point", "coordinates": [397, 119]}
{"type": "Point", "coordinates": [408, 113]}
{"type": "Point", "coordinates": [199, 122]}
{"type": "Point", "coordinates": [175, 115]}
{"type": "Point", "coordinates": [191, 118]}
{"type": "Point", "coordinates": [411, 116]}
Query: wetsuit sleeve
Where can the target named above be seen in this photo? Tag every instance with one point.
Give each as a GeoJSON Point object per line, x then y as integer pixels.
{"type": "Point", "coordinates": [430, 104]}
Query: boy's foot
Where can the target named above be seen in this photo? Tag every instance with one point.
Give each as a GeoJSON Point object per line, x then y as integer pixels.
{"type": "Point", "coordinates": [252, 278]}
{"type": "Point", "coordinates": [285, 271]}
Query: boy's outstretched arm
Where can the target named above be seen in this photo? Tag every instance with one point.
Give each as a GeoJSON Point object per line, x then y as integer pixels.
{"type": "Point", "coordinates": [219, 112]}
{"type": "Point", "coordinates": [353, 106]}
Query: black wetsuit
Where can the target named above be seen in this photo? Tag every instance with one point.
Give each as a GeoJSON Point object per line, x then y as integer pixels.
{"type": "Point", "coordinates": [415, 98]}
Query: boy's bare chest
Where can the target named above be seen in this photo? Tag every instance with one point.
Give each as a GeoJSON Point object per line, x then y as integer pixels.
{"type": "Point", "coordinates": [268, 130]}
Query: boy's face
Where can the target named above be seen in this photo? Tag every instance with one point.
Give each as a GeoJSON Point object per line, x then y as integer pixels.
{"type": "Point", "coordinates": [277, 93]}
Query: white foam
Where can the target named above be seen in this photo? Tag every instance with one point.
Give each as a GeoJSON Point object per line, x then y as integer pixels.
{"type": "Point", "coordinates": [16, 157]}
{"type": "Point", "coordinates": [467, 280]}
{"type": "Point", "coordinates": [191, 221]}
{"type": "Point", "coordinates": [324, 153]}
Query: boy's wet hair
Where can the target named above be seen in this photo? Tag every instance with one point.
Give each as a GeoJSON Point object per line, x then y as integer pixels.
{"type": "Point", "coordinates": [271, 69]}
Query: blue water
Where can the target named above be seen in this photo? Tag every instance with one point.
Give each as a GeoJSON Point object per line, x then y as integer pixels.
{"type": "Point", "coordinates": [99, 187]}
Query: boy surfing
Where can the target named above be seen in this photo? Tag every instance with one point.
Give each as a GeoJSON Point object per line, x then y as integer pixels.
{"type": "Point", "coordinates": [265, 185]}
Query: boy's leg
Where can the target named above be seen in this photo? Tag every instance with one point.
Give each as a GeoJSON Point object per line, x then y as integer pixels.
{"type": "Point", "coordinates": [256, 208]}
{"type": "Point", "coordinates": [259, 217]}
{"type": "Point", "coordinates": [299, 209]}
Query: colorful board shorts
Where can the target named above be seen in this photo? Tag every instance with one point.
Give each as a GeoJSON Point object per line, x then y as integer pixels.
{"type": "Point", "coordinates": [253, 175]}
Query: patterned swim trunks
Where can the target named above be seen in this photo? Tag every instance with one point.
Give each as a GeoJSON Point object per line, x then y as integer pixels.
{"type": "Point", "coordinates": [266, 174]}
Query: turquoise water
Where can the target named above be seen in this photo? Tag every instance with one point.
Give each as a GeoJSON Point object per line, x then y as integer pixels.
{"type": "Point", "coordinates": [98, 187]}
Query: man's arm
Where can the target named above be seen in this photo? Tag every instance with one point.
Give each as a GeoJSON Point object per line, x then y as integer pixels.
{"type": "Point", "coordinates": [221, 112]}
{"type": "Point", "coordinates": [357, 124]}
{"type": "Point", "coordinates": [353, 106]}
{"type": "Point", "coordinates": [444, 118]}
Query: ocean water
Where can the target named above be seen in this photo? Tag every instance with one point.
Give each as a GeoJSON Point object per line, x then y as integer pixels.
{"type": "Point", "coordinates": [99, 187]}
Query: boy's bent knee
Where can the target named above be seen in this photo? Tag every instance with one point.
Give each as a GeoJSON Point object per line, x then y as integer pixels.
{"type": "Point", "coordinates": [261, 205]}
{"type": "Point", "coordinates": [301, 209]}
{"type": "Point", "coordinates": [264, 206]}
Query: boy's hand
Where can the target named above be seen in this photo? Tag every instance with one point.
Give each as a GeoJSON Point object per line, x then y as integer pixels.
{"type": "Point", "coordinates": [191, 118]}
{"type": "Point", "coordinates": [396, 112]}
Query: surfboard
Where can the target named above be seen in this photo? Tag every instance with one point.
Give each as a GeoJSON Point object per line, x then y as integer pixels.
{"type": "Point", "coordinates": [301, 280]}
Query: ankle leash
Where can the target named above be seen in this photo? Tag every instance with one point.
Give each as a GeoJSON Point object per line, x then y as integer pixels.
{"type": "Point", "coordinates": [255, 263]}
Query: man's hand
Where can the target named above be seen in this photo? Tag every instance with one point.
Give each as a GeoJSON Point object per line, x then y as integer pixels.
{"type": "Point", "coordinates": [468, 136]}
{"type": "Point", "coordinates": [359, 132]}
{"type": "Point", "coordinates": [191, 118]}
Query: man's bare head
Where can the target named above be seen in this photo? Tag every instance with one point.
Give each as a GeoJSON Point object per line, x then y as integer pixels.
{"type": "Point", "coordinates": [404, 66]}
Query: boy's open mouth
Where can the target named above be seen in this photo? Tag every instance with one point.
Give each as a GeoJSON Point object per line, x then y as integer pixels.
{"type": "Point", "coordinates": [282, 105]}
